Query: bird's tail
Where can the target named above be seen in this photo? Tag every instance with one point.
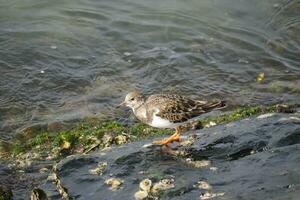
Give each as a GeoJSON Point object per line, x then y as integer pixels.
{"type": "Point", "coordinates": [214, 105]}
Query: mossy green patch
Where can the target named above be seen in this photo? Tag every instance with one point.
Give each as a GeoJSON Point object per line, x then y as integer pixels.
{"type": "Point", "coordinates": [239, 113]}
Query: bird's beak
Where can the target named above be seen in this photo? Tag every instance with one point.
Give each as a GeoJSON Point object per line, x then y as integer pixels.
{"type": "Point", "coordinates": [121, 104]}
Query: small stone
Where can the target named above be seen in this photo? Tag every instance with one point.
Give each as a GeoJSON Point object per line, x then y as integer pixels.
{"type": "Point", "coordinates": [99, 169]}
{"type": "Point", "coordinates": [141, 195]}
{"type": "Point", "coordinates": [204, 185]}
{"type": "Point", "coordinates": [145, 185]}
{"type": "Point", "coordinates": [115, 183]}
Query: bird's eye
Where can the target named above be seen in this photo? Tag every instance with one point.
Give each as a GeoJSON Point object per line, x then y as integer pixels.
{"type": "Point", "coordinates": [132, 99]}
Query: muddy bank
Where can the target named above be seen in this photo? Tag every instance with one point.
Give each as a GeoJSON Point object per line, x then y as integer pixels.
{"type": "Point", "coordinates": [254, 158]}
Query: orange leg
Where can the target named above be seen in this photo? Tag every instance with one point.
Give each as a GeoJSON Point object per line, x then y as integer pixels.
{"type": "Point", "coordinates": [173, 138]}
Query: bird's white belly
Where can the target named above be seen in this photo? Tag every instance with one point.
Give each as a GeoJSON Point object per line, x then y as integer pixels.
{"type": "Point", "coordinates": [159, 122]}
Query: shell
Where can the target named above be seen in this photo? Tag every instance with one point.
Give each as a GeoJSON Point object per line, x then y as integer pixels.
{"type": "Point", "coordinates": [164, 184]}
{"type": "Point", "coordinates": [141, 195]}
{"type": "Point", "coordinates": [145, 185]}
{"type": "Point", "coordinates": [115, 183]}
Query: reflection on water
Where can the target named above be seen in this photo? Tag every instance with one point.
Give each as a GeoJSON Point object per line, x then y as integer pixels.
{"type": "Point", "coordinates": [64, 60]}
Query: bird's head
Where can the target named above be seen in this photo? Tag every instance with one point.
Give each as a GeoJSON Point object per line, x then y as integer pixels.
{"type": "Point", "coordinates": [133, 100]}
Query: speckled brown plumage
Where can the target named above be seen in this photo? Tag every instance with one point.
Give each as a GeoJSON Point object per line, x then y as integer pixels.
{"type": "Point", "coordinates": [179, 109]}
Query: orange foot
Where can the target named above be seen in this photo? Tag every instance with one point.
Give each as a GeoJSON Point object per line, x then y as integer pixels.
{"type": "Point", "coordinates": [173, 138]}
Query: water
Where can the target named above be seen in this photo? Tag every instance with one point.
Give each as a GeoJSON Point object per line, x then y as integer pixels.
{"type": "Point", "coordinates": [63, 60]}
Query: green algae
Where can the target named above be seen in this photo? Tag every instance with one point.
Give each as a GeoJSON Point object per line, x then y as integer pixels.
{"type": "Point", "coordinates": [90, 131]}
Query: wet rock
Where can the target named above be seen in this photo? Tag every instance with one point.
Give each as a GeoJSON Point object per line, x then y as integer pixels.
{"type": "Point", "coordinates": [5, 193]}
{"type": "Point", "coordinates": [245, 160]}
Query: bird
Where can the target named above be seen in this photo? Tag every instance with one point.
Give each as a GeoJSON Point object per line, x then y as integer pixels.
{"type": "Point", "coordinates": [165, 110]}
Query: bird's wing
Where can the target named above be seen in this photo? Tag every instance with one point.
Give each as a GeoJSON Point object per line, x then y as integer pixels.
{"type": "Point", "coordinates": [175, 108]}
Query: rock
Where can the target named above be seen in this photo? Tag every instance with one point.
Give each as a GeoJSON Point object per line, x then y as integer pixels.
{"type": "Point", "coordinates": [242, 161]}
{"type": "Point", "coordinates": [5, 193]}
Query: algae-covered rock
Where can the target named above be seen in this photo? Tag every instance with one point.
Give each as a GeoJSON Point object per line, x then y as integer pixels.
{"type": "Point", "coordinates": [242, 159]}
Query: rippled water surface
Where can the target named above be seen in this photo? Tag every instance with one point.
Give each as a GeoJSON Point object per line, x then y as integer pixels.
{"type": "Point", "coordinates": [62, 60]}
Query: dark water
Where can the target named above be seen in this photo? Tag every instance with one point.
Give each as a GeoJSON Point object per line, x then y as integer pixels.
{"type": "Point", "coordinates": [63, 60]}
